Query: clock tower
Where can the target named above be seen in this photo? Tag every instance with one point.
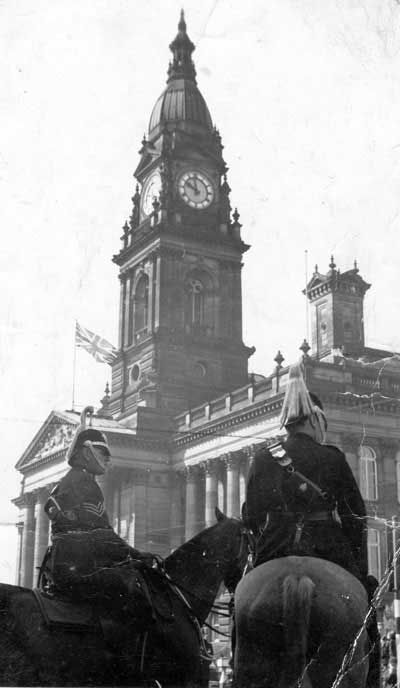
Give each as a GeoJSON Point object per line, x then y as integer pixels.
{"type": "Point", "coordinates": [180, 329]}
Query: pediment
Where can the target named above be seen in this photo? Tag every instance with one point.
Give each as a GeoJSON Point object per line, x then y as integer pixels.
{"type": "Point", "coordinates": [54, 435]}
{"type": "Point", "coordinates": [316, 280]}
{"type": "Point", "coordinates": [145, 162]}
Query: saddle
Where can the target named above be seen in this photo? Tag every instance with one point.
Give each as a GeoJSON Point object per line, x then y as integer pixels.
{"type": "Point", "coordinates": [61, 609]}
{"type": "Point", "coordinates": [65, 614]}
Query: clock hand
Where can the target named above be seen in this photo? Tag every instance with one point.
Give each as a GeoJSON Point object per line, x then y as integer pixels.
{"type": "Point", "coordinates": [191, 187]}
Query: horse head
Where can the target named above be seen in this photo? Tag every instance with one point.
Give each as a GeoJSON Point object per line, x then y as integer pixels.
{"type": "Point", "coordinates": [215, 555]}
{"type": "Point", "coordinates": [235, 551]}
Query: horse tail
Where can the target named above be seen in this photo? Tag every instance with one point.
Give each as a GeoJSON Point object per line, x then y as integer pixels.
{"type": "Point", "coordinates": [297, 602]}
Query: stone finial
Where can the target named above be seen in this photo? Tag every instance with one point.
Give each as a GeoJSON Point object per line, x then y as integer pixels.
{"type": "Point", "coordinates": [104, 411]}
{"type": "Point", "coordinates": [235, 216]}
{"type": "Point", "coordinates": [305, 347]}
{"type": "Point", "coordinates": [182, 66]}
{"type": "Point", "coordinates": [279, 358]}
{"type": "Point", "coordinates": [332, 264]}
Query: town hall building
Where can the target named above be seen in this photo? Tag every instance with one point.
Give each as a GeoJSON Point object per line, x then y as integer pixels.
{"type": "Point", "coordinates": [184, 416]}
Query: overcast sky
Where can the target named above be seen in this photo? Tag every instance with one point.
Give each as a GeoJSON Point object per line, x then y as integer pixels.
{"type": "Point", "coordinates": [306, 97]}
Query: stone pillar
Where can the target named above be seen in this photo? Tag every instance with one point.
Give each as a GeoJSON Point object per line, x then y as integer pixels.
{"type": "Point", "coordinates": [128, 315]}
{"type": "Point", "coordinates": [41, 532]}
{"type": "Point", "coordinates": [28, 541]}
{"type": "Point", "coordinates": [211, 469]}
{"type": "Point", "coordinates": [121, 312]}
{"type": "Point", "coordinates": [140, 481]}
{"type": "Point", "coordinates": [20, 527]}
{"type": "Point", "coordinates": [176, 512]}
{"type": "Point", "coordinates": [243, 470]}
{"type": "Point", "coordinates": [157, 284]}
{"type": "Point", "coordinates": [232, 485]}
{"type": "Point", "coordinates": [191, 506]}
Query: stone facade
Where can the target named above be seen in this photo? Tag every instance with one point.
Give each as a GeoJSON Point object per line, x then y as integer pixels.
{"type": "Point", "coordinates": [184, 417]}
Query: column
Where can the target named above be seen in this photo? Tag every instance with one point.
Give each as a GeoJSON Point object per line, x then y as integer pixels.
{"type": "Point", "coordinates": [242, 481]}
{"type": "Point", "coordinates": [211, 469]}
{"type": "Point", "coordinates": [191, 511]}
{"type": "Point", "coordinates": [176, 512]}
{"type": "Point", "coordinates": [121, 312]}
{"type": "Point", "coordinates": [28, 541]}
{"type": "Point", "coordinates": [140, 517]}
{"type": "Point", "coordinates": [232, 485]}
{"type": "Point", "coordinates": [20, 527]}
{"type": "Point", "coordinates": [150, 314]}
{"type": "Point", "coordinates": [128, 324]}
{"type": "Point", "coordinates": [41, 532]}
{"type": "Point", "coordinates": [157, 280]}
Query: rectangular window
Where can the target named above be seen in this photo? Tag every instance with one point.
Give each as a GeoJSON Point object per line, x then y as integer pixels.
{"type": "Point", "coordinates": [368, 478]}
{"type": "Point", "coordinates": [374, 554]}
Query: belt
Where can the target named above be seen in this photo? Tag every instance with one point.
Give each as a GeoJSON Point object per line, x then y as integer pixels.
{"type": "Point", "coordinates": [318, 516]}
{"type": "Point", "coordinates": [306, 517]}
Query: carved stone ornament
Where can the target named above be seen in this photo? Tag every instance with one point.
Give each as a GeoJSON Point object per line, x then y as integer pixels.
{"type": "Point", "coordinates": [55, 440]}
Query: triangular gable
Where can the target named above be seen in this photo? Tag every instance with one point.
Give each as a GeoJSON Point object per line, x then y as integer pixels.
{"type": "Point", "coordinates": [145, 162]}
{"type": "Point", "coordinates": [55, 434]}
{"type": "Point", "coordinates": [315, 280]}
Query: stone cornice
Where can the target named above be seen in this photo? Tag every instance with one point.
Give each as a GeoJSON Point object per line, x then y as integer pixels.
{"type": "Point", "coordinates": [264, 408]}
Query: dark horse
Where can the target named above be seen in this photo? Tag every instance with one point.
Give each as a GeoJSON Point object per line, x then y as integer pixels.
{"type": "Point", "coordinates": [31, 654]}
{"type": "Point", "coordinates": [299, 622]}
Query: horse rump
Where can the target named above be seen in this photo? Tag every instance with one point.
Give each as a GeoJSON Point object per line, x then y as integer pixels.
{"type": "Point", "coordinates": [297, 593]}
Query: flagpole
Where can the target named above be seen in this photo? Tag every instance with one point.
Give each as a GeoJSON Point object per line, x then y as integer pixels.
{"type": "Point", "coordinates": [74, 369]}
{"type": "Point", "coordinates": [307, 306]}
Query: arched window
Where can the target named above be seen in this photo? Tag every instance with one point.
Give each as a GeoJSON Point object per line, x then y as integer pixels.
{"type": "Point", "coordinates": [368, 474]}
{"type": "Point", "coordinates": [196, 301]}
{"type": "Point", "coordinates": [200, 304]}
{"type": "Point", "coordinates": [374, 554]}
{"type": "Point", "coordinates": [141, 304]}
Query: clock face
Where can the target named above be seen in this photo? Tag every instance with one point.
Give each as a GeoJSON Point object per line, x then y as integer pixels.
{"type": "Point", "coordinates": [196, 189]}
{"type": "Point", "coordinates": [151, 191]}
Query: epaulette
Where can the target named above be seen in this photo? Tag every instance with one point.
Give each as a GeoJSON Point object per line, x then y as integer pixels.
{"type": "Point", "coordinates": [280, 455]}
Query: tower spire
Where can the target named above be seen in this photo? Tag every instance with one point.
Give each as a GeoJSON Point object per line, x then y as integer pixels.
{"type": "Point", "coordinates": [182, 66]}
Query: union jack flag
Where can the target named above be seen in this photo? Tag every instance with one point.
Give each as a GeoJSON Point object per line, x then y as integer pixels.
{"type": "Point", "coordinates": [99, 348]}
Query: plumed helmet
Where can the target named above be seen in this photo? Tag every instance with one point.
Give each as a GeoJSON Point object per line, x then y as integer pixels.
{"type": "Point", "coordinates": [299, 403]}
{"type": "Point", "coordinates": [86, 436]}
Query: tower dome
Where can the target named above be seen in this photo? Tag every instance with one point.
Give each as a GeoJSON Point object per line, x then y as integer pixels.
{"type": "Point", "coordinates": [181, 104]}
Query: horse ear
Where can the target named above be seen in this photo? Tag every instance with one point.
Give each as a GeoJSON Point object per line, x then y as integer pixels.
{"type": "Point", "coordinates": [219, 515]}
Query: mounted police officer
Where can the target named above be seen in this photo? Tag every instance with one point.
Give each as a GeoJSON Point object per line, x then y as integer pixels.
{"type": "Point", "coordinates": [302, 498]}
{"type": "Point", "coordinates": [86, 555]}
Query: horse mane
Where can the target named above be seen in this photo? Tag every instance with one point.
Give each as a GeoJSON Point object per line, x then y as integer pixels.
{"type": "Point", "coordinates": [191, 547]}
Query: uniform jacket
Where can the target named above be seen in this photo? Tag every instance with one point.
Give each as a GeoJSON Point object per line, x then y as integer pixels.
{"type": "Point", "coordinates": [275, 496]}
{"type": "Point", "coordinates": [80, 501]}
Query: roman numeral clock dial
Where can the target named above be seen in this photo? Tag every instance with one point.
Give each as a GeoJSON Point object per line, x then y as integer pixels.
{"type": "Point", "coordinates": [196, 189]}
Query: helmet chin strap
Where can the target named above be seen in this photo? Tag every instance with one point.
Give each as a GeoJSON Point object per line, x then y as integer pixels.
{"type": "Point", "coordinates": [96, 464]}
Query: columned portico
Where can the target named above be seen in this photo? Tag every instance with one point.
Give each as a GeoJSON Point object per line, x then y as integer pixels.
{"type": "Point", "coordinates": [28, 540]}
